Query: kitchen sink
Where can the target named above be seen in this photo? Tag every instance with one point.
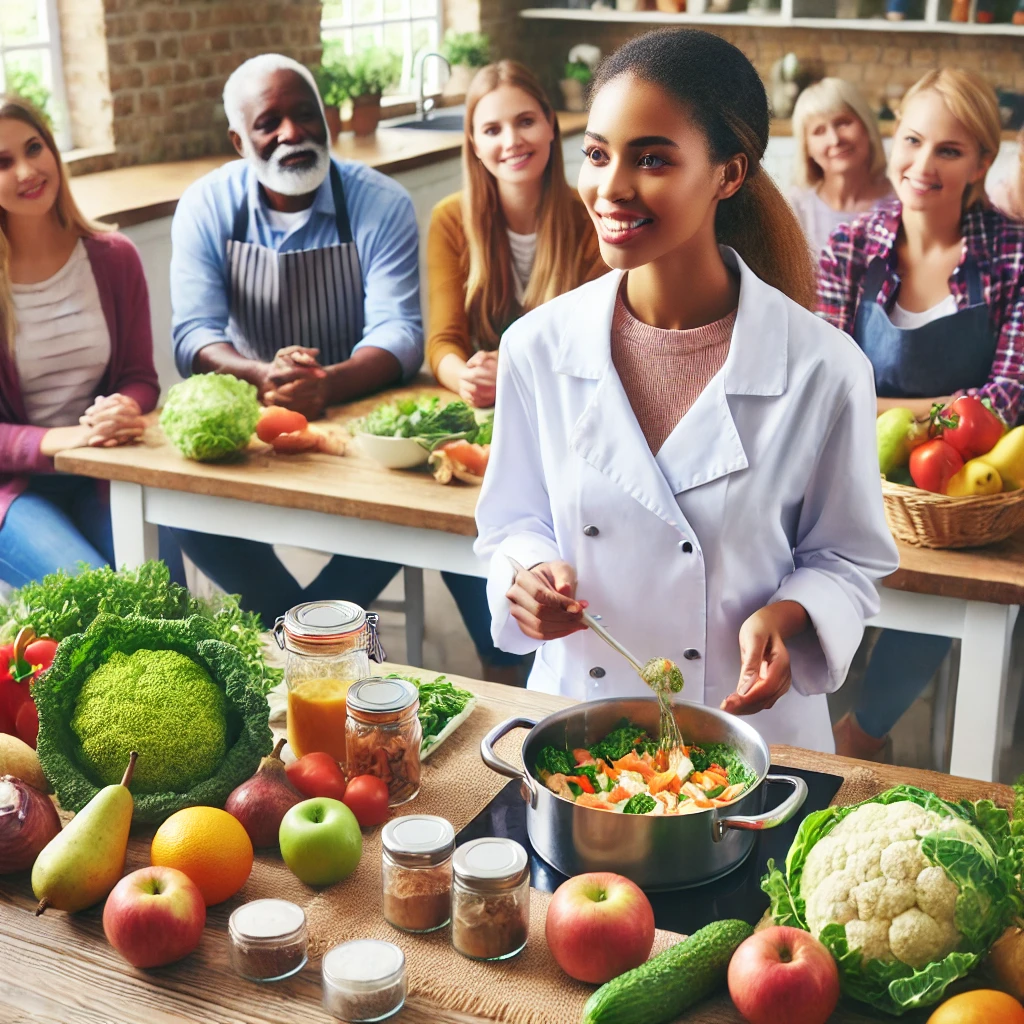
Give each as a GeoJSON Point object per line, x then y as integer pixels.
{"type": "Point", "coordinates": [443, 121]}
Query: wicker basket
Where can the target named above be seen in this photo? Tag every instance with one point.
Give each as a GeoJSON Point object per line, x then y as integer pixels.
{"type": "Point", "coordinates": [930, 520]}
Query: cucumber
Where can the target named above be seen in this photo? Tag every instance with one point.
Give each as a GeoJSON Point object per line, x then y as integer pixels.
{"type": "Point", "coordinates": [661, 989]}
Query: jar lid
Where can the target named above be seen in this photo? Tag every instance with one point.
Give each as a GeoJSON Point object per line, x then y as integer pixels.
{"type": "Point", "coordinates": [419, 840]}
{"type": "Point", "coordinates": [323, 620]}
{"type": "Point", "coordinates": [492, 864]}
{"type": "Point", "coordinates": [363, 965]}
{"type": "Point", "coordinates": [267, 919]}
{"type": "Point", "coordinates": [382, 696]}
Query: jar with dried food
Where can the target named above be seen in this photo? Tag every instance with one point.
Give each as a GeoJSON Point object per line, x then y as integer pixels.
{"type": "Point", "coordinates": [329, 645]}
{"type": "Point", "coordinates": [490, 899]}
{"type": "Point", "coordinates": [383, 735]}
{"type": "Point", "coordinates": [268, 939]}
{"type": "Point", "coordinates": [363, 980]}
{"type": "Point", "coordinates": [417, 869]}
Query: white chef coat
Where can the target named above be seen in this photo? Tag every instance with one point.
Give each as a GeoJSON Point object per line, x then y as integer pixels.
{"type": "Point", "coordinates": [766, 490]}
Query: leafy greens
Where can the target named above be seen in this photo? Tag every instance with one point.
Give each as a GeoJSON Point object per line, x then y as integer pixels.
{"type": "Point", "coordinates": [425, 420]}
{"type": "Point", "coordinates": [440, 703]}
{"type": "Point", "coordinates": [210, 416]}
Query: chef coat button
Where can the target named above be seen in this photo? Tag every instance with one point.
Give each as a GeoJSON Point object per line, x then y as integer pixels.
{"type": "Point", "coordinates": [597, 672]}
{"type": "Point", "coordinates": [685, 546]}
{"type": "Point", "coordinates": [590, 531]}
{"type": "Point", "coordinates": [691, 654]}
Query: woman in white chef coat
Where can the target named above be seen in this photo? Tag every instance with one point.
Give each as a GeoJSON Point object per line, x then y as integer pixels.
{"type": "Point", "coordinates": [681, 444]}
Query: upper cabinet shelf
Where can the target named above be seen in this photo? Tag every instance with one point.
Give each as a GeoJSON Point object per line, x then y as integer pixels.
{"type": "Point", "coordinates": [781, 19]}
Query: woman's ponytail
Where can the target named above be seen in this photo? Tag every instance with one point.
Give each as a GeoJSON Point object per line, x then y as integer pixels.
{"type": "Point", "coordinates": [726, 99]}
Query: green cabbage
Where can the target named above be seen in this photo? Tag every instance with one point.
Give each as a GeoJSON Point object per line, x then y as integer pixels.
{"type": "Point", "coordinates": [981, 852]}
{"type": "Point", "coordinates": [210, 415]}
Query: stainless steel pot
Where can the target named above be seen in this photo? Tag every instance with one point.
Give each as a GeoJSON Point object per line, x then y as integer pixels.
{"type": "Point", "coordinates": [664, 852]}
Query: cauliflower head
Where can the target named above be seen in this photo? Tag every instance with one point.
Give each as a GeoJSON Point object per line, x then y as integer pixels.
{"type": "Point", "coordinates": [906, 890]}
{"type": "Point", "coordinates": [870, 874]}
{"type": "Point", "coordinates": [122, 707]}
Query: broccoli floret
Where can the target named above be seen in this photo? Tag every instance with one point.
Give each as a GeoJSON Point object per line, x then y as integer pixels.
{"type": "Point", "coordinates": [640, 803]}
{"type": "Point", "coordinates": [65, 736]}
{"type": "Point", "coordinates": [555, 762]}
{"type": "Point", "coordinates": [122, 707]}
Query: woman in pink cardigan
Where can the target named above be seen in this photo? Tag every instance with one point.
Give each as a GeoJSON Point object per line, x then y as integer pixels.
{"type": "Point", "coordinates": [76, 358]}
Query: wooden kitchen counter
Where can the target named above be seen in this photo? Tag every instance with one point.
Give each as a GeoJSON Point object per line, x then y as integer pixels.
{"type": "Point", "coordinates": [134, 195]}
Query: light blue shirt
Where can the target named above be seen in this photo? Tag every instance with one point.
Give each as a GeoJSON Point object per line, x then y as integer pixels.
{"type": "Point", "coordinates": [383, 229]}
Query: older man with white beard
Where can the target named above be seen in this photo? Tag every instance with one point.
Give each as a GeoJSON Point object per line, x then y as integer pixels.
{"type": "Point", "coordinates": [290, 269]}
{"type": "Point", "coordinates": [299, 273]}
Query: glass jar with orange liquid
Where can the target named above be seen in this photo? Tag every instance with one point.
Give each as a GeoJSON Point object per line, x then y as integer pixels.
{"type": "Point", "coordinates": [329, 646]}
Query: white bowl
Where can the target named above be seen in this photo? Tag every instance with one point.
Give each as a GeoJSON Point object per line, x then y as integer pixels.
{"type": "Point", "coordinates": [393, 452]}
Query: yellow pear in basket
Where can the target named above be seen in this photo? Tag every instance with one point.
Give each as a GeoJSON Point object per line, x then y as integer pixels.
{"type": "Point", "coordinates": [976, 477]}
{"type": "Point", "coordinates": [1007, 459]}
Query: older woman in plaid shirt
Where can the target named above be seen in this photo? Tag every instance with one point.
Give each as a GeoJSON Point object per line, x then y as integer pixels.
{"type": "Point", "coordinates": [931, 286]}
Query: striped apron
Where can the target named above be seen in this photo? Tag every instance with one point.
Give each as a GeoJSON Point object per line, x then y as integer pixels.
{"type": "Point", "coordinates": [311, 297]}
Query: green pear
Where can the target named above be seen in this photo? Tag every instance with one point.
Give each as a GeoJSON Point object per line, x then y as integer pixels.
{"type": "Point", "coordinates": [82, 863]}
{"type": "Point", "coordinates": [898, 432]}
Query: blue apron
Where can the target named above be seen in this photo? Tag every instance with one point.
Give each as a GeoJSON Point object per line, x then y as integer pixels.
{"type": "Point", "coordinates": [950, 354]}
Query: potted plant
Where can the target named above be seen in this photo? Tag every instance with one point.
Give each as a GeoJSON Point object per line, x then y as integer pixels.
{"type": "Point", "coordinates": [578, 72]}
{"type": "Point", "coordinates": [332, 81]}
{"type": "Point", "coordinates": [465, 52]}
{"type": "Point", "coordinates": [367, 75]}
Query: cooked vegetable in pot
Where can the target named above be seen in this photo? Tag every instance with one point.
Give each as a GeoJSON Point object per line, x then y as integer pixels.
{"type": "Point", "coordinates": [627, 771]}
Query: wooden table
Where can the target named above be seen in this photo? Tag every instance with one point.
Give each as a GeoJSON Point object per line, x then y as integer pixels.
{"type": "Point", "coordinates": [59, 969]}
{"type": "Point", "coordinates": [353, 506]}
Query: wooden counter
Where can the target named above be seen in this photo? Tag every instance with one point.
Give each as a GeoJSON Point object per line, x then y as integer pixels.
{"type": "Point", "coordinates": [133, 195]}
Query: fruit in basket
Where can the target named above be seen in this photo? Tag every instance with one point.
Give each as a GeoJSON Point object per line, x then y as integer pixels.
{"type": "Point", "coordinates": [82, 863]}
{"type": "Point", "coordinates": [28, 821]}
{"type": "Point", "coordinates": [599, 925]}
{"type": "Point", "coordinates": [934, 464]}
{"type": "Point", "coordinates": [260, 803]}
{"type": "Point", "coordinates": [976, 477]}
{"type": "Point", "coordinates": [1007, 458]}
{"type": "Point", "coordinates": [185, 700]}
{"type": "Point", "coordinates": [783, 974]}
{"type": "Point", "coordinates": [154, 916]}
{"type": "Point", "coordinates": [208, 845]}
{"type": "Point", "coordinates": [317, 774]}
{"type": "Point", "coordinates": [907, 891]}
{"type": "Point", "coordinates": [983, 1006]}
{"type": "Point", "coordinates": [898, 432]}
{"type": "Point", "coordinates": [971, 426]}
{"type": "Point", "coordinates": [320, 841]}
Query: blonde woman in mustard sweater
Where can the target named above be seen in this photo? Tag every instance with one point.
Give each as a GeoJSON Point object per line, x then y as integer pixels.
{"type": "Point", "coordinates": [516, 236]}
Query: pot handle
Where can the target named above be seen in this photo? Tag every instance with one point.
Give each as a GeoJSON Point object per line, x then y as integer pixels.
{"type": "Point", "coordinates": [776, 816]}
{"type": "Point", "coordinates": [502, 767]}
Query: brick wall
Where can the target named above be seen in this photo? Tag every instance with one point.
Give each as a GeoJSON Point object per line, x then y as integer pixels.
{"type": "Point", "coordinates": [166, 64]}
{"type": "Point", "coordinates": [873, 60]}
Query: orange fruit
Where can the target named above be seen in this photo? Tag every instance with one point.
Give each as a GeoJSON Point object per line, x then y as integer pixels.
{"type": "Point", "coordinates": [983, 1006]}
{"type": "Point", "coordinates": [208, 845]}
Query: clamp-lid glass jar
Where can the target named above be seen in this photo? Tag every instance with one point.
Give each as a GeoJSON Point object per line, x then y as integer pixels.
{"type": "Point", "coordinates": [490, 899]}
{"type": "Point", "coordinates": [417, 870]}
{"type": "Point", "coordinates": [329, 645]}
{"type": "Point", "coordinates": [383, 735]}
{"type": "Point", "coordinates": [363, 980]}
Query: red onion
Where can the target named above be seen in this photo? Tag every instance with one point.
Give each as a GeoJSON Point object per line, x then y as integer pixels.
{"type": "Point", "coordinates": [28, 821]}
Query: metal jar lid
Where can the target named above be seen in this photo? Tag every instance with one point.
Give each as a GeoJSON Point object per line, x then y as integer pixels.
{"type": "Point", "coordinates": [325, 624]}
{"type": "Point", "coordinates": [419, 840]}
{"type": "Point", "coordinates": [491, 864]}
{"type": "Point", "coordinates": [377, 696]}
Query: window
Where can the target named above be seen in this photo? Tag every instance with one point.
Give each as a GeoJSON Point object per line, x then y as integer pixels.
{"type": "Point", "coordinates": [30, 59]}
{"type": "Point", "coordinates": [407, 27]}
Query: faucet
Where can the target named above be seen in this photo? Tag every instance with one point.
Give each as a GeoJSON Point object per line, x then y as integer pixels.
{"type": "Point", "coordinates": [424, 106]}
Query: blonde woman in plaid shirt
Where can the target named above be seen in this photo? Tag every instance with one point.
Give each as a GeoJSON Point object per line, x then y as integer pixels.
{"type": "Point", "coordinates": [930, 287]}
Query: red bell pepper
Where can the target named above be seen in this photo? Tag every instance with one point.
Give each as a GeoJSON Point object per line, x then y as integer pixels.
{"type": "Point", "coordinates": [934, 464]}
{"type": "Point", "coordinates": [582, 781]}
{"type": "Point", "coordinates": [970, 425]}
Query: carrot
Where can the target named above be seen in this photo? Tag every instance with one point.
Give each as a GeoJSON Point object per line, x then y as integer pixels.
{"type": "Point", "coordinates": [618, 794]}
{"type": "Point", "coordinates": [592, 800]}
{"type": "Point", "coordinates": [583, 756]}
{"type": "Point", "coordinates": [632, 763]}
{"type": "Point", "coordinates": [712, 779]}
{"type": "Point", "coordinates": [662, 781]}
{"type": "Point", "coordinates": [608, 769]}
{"type": "Point", "coordinates": [696, 795]}
{"type": "Point", "coordinates": [278, 420]}
{"type": "Point", "coordinates": [582, 781]}
{"type": "Point", "coordinates": [697, 778]}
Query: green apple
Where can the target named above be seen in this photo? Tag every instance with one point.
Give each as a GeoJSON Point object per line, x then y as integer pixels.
{"type": "Point", "coordinates": [320, 841]}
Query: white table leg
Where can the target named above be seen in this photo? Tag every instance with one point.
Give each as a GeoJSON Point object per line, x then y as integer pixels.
{"type": "Point", "coordinates": [135, 540]}
{"type": "Point", "coordinates": [984, 658]}
{"type": "Point", "coordinates": [414, 614]}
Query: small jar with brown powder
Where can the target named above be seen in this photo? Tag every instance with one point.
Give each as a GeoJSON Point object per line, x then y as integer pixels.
{"type": "Point", "coordinates": [268, 939]}
{"type": "Point", "coordinates": [417, 870]}
{"type": "Point", "coordinates": [490, 899]}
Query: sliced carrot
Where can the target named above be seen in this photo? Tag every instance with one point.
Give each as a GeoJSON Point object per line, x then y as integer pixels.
{"type": "Point", "coordinates": [697, 778]}
{"type": "Point", "coordinates": [662, 781]}
{"type": "Point", "coordinates": [611, 772]}
{"type": "Point", "coordinates": [712, 779]}
{"type": "Point", "coordinates": [592, 800]}
{"type": "Point", "coordinates": [632, 763]}
{"type": "Point", "coordinates": [583, 756]}
{"type": "Point", "coordinates": [618, 794]}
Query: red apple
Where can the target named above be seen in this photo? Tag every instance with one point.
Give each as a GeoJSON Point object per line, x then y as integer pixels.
{"type": "Point", "coordinates": [317, 774]}
{"type": "Point", "coordinates": [783, 974]}
{"type": "Point", "coordinates": [154, 916]}
{"type": "Point", "coordinates": [598, 926]}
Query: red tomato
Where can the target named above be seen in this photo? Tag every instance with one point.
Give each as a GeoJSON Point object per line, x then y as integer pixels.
{"type": "Point", "coordinates": [278, 420]}
{"type": "Point", "coordinates": [977, 427]}
{"type": "Point", "coordinates": [26, 723]}
{"type": "Point", "coordinates": [317, 774]}
{"type": "Point", "coordinates": [933, 465]}
{"type": "Point", "coordinates": [473, 457]}
{"type": "Point", "coordinates": [367, 798]}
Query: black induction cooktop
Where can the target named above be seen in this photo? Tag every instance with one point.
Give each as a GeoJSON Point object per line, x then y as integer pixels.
{"type": "Point", "coordinates": [735, 895]}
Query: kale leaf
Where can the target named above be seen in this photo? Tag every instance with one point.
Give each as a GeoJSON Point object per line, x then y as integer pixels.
{"type": "Point", "coordinates": [640, 803]}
